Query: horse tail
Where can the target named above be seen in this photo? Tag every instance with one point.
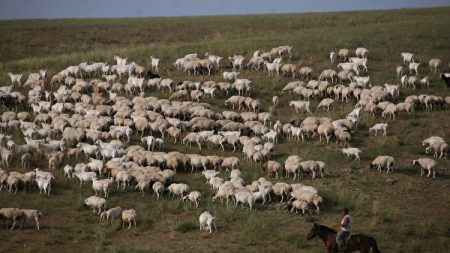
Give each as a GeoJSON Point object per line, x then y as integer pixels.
{"type": "Point", "coordinates": [374, 245]}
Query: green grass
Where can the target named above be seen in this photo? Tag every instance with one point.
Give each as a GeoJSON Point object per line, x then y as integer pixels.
{"type": "Point", "coordinates": [410, 215]}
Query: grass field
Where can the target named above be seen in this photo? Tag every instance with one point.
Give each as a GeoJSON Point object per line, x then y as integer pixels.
{"type": "Point", "coordinates": [411, 215]}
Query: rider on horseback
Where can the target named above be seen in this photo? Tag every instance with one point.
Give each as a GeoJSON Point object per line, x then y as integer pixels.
{"type": "Point", "coordinates": [344, 232]}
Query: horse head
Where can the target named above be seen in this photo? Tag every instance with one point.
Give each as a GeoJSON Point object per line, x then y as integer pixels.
{"type": "Point", "coordinates": [314, 231]}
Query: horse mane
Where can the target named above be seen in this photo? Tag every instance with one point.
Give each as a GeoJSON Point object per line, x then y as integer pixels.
{"type": "Point", "coordinates": [327, 229]}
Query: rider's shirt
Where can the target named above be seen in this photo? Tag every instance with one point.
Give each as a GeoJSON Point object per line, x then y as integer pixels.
{"type": "Point", "coordinates": [346, 223]}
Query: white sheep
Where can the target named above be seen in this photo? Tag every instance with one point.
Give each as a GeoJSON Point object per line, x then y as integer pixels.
{"type": "Point", "coordinates": [281, 189]}
{"type": "Point", "coordinates": [155, 63]}
{"type": "Point", "coordinates": [352, 152]}
{"type": "Point", "coordinates": [300, 205]}
{"type": "Point", "coordinates": [361, 52]}
{"type": "Point", "coordinates": [360, 62]}
{"type": "Point", "coordinates": [129, 216]}
{"type": "Point", "coordinates": [300, 106]}
{"type": "Point", "coordinates": [383, 162]}
{"type": "Point", "coordinates": [230, 163]}
{"type": "Point", "coordinates": [207, 221]}
{"type": "Point", "coordinates": [441, 147]}
{"type": "Point", "coordinates": [113, 214]}
{"type": "Point", "coordinates": [95, 202]}
{"type": "Point", "coordinates": [414, 66]}
{"type": "Point", "coordinates": [15, 78]}
{"type": "Point", "coordinates": [426, 164]}
{"type": "Point", "coordinates": [84, 176]}
{"type": "Point", "coordinates": [399, 71]}
{"type": "Point", "coordinates": [332, 57]}
{"type": "Point", "coordinates": [308, 197]}
{"type": "Point", "coordinates": [434, 64]}
{"type": "Point", "coordinates": [328, 73]}
{"type": "Point", "coordinates": [379, 127]}
{"type": "Point", "coordinates": [344, 53]}
{"type": "Point", "coordinates": [31, 215]}
{"type": "Point", "coordinates": [407, 57]}
{"type": "Point", "coordinates": [158, 189]}
{"type": "Point", "coordinates": [272, 67]}
{"type": "Point", "coordinates": [44, 185]}
{"type": "Point", "coordinates": [236, 61]}
{"type": "Point", "coordinates": [230, 76]}
{"type": "Point", "coordinates": [11, 214]}
{"type": "Point", "coordinates": [193, 197]}
{"type": "Point", "coordinates": [244, 197]}
{"type": "Point", "coordinates": [325, 104]}
{"type": "Point", "coordinates": [209, 174]}
{"type": "Point", "coordinates": [101, 185]}
{"type": "Point", "coordinates": [178, 189]}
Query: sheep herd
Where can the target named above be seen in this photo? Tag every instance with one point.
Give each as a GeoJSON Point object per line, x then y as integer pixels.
{"type": "Point", "coordinates": [85, 111]}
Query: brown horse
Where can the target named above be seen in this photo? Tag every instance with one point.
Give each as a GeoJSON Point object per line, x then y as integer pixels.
{"type": "Point", "coordinates": [362, 243]}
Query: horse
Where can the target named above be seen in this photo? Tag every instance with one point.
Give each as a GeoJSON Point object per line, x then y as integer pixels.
{"type": "Point", "coordinates": [359, 242]}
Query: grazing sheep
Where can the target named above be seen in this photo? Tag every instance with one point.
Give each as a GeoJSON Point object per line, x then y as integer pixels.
{"type": "Point", "coordinates": [391, 109]}
{"type": "Point", "coordinates": [414, 66]}
{"type": "Point", "coordinates": [84, 176]}
{"type": "Point", "coordinates": [207, 222]}
{"type": "Point", "coordinates": [12, 215]}
{"type": "Point", "coordinates": [343, 54]}
{"type": "Point", "coordinates": [289, 68]}
{"type": "Point", "coordinates": [426, 164]}
{"type": "Point", "coordinates": [434, 64]}
{"type": "Point", "coordinates": [113, 214]}
{"type": "Point", "coordinates": [275, 101]}
{"type": "Point", "coordinates": [178, 189]}
{"type": "Point", "coordinates": [230, 76]}
{"type": "Point", "coordinates": [129, 216]}
{"type": "Point", "coordinates": [230, 163]}
{"type": "Point", "coordinates": [95, 202]}
{"type": "Point", "coordinates": [272, 67]}
{"type": "Point", "coordinates": [379, 127]}
{"type": "Point", "coordinates": [399, 71]}
{"type": "Point", "coordinates": [68, 170]}
{"type": "Point", "coordinates": [361, 52]}
{"type": "Point", "coordinates": [300, 205]}
{"type": "Point", "coordinates": [383, 162]}
{"type": "Point", "coordinates": [441, 147]}
{"type": "Point", "coordinates": [13, 183]}
{"type": "Point", "coordinates": [236, 61]}
{"type": "Point", "coordinates": [15, 78]}
{"type": "Point", "coordinates": [26, 159]}
{"type": "Point", "coordinates": [352, 152]}
{"type": "Point", "coordinates": [209, 174]}
{"type": "Point", "coordinates": [281, 189]}
{"type": "Point", "coordinates": [306, 72]}
{"type": "Point", "coordinates": [407, 57]}
{"type": "Point", "coordinates": [44, 184]}
{"type": "Point", "coordinates": [102, 185]}
{"type": "Point", "coordinates": [31, 215]}
{"type": "Point", "coordinates": [325, 104]}
{"type": "Point", "coordinates": [158, 189]}
{"type": "Point", "coordinates": [328, 73]}
{"type": "Point", "coordinates": [425, 82]}
{"type": "Point", "coordinates": [332, 57]}
{"type": "Point", "coordinates": [155, 63]}
{"type": "Point", "coordinates": [244, 197]}
{"type": "Point", "coordinates": [300, 106]}
{"type": "Point", "coordinates": [193, 197]}
{"type": "Point", "coordinates": [6, 156]}
{"type": "Point", "coordinates": [308, 197]}
{"type": "Point", "coordinates": [273, 167]}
